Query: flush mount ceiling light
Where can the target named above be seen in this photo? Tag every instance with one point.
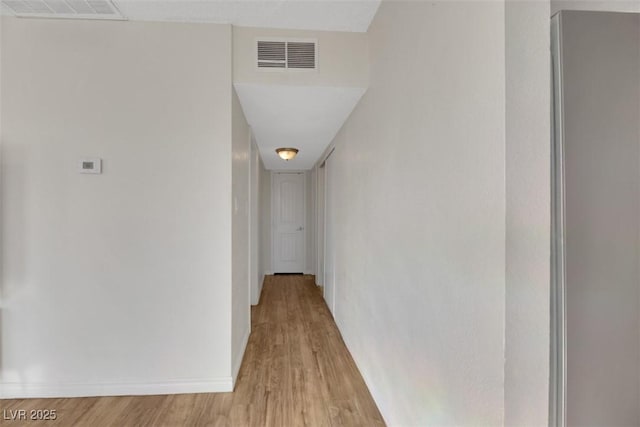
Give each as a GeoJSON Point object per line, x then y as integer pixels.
{"type": "Point", "coordinates": [287, 153]}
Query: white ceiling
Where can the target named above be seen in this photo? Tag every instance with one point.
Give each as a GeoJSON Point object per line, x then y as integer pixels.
{"type": "Point", "coordinates": [329, 15]}
{"type": "Point", "coordinates": [303, 117]}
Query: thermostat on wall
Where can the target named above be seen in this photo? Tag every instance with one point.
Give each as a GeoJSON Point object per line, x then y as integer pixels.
{"type": "Point", "coordinates": [90, 165]}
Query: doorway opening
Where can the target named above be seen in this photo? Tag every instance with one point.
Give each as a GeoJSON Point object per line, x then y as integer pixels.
{"type": "Point", "coordinates": [289, 213]}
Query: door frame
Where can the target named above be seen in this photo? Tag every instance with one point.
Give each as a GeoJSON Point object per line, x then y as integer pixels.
{"type": "Point", "coordinates": [558, 341]}
{"type": "Point", "coordinates": [328, 252]}
{"type": "Point", "coordinates": [272, 175]}
{"type": "Point", "coordinates": [319, 218]}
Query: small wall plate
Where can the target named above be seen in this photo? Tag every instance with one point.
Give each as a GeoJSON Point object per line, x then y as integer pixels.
{"type": "Point", "coordinates": [90, 165]}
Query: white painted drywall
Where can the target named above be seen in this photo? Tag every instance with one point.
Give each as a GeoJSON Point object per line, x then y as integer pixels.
{"type": "Point", "coordinates": [240, 306]}
{"type": "Point", "coordinates": [265, 224]}
{"type": "Point", "coordinates": [343, 59]}
{"type": "Point", "coordinates": [527, 213]}
{"type": "Point", "coordinates": [420, 215]}
{"type": "Point", "coordinates": [601, 90]}
{"type": "Point", "coordinates": [117, 283]}
{"type": "Point", "coordinates": [254, 228]}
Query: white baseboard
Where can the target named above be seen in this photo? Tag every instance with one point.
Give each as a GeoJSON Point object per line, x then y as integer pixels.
{"type": "Point", "coordinates": [42, 390]}
{"type": "Point", "coordinates": [238, 362]}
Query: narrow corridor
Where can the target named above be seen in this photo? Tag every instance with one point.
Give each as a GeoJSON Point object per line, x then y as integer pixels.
{"type": "Point", "coordinates": [297, 370]}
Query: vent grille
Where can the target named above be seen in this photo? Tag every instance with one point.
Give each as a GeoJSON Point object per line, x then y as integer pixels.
{"type": "Point", "coordinates": [286, 54]}
{"type": "Point", "coordinates": [301, 55]}
{"type": "Point", "coordinates": [272, 54]}
{"type": "Point", "coordinates": [79, 9]}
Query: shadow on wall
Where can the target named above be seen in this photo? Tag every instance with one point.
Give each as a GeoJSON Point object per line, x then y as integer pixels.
{"type": "Point", "coordinates": [13, 228]}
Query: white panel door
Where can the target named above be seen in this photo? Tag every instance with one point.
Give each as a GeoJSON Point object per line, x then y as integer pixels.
{"type": "Point", "coordinates": [289, 244]}
{"type": "Point", "coordinates": [329, 239]}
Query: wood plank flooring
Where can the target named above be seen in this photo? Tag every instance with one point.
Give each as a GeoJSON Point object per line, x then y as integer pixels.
{"type": "Point", "coordinates": [296, 372]}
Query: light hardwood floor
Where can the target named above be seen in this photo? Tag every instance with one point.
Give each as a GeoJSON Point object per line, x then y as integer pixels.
{"type": "Point", "coordinates": [296, 372]}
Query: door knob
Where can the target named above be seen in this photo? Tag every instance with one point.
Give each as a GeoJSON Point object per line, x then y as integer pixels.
{"type": "Point", "coordinates": [300, 229]}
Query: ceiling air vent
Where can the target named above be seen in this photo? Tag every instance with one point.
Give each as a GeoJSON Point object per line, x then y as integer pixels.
{"type": "Point", "coordinates": [78, 9]}
{"type": "Point", "coordinates": [301, 55]}
{"type": "Point", "coordinates": [287, 54]}
{"type": "Point", "coordinates": [272, 54]}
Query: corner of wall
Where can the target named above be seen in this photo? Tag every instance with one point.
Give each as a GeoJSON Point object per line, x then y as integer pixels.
{"type": "Point", "coordinates": [237, 362]}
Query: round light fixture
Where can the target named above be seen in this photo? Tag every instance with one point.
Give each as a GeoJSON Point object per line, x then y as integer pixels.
{"type": "Point", "coordinates": [287, 153]}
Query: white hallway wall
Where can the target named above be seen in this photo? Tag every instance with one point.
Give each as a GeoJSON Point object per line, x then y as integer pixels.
{"type": "Point", "coordinates": [527, 34]}
{"type": "Point", "coordinates": [255, 277]}
{"type": "Point", "coordinates": [421, 215]}
{"type": "Point", "coordinates": [240, 300]}
{"type": "Point", "coordinates": [265, 222]}
{"type": "Point", "coordinates": [120, 282]}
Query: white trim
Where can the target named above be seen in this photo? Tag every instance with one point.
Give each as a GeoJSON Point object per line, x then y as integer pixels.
{"type": "Point", "coordinates": [238, 362]}
{"type": "Point", "coordinates": [558, 344]}
{"type": "Point", "coordinates": [319, 224]}
{"type": "Point", "coordinates": [62, 390]}
{"type": "Point", "coordinates": [324, 161]}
